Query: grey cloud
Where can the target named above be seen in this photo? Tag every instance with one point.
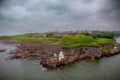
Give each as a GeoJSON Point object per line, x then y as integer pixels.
{"type": "Point", "coordinates": [2, 2]}
{"type": "Point", "coordinates": [111, 11]}
{"type": "Point", "coordinates": [50, 15]}
{"type": "Point", "coordinates": [59, 9]}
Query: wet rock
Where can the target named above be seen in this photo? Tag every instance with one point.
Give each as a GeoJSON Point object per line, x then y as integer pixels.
{"type": "Point", "coordinates": [82, 57]}
{"type": "Point", "coordinates": [12, 52]}
{"type": "Point", "coordinates": [51, 62]}
{"type": "Point", "coordinates": [55, 63]}
{"type": "Point", "coordinates": [2, 50]}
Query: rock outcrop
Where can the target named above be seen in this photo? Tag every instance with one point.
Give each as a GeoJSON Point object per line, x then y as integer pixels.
{"type": "Point", "coordinates": [48, 60]}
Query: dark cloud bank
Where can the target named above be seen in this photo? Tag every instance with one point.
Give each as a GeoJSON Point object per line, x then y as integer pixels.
{"type": "Point", "coordinates": [21, 16]}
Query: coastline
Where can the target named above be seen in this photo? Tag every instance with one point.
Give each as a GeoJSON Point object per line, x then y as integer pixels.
{"type": "Point", "coordinates": [56, 49]}
{"type": "Point", "coordinates": [45, 53]}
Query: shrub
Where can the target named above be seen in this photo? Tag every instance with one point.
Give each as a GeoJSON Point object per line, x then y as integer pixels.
{"type": "Point", "coordinates": [81, 52]}
{"type": "Point", "coordinates": [31, 52]}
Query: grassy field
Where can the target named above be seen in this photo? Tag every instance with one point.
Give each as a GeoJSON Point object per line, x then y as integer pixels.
{"type": "Point", "coordinates": [68, 42]}
{"type": "Point", "coordinates": [77, 39]}
{"type": "Point", "coordinates": [32, 38]}
{"type": "Point", "coordinates": [103, 41]}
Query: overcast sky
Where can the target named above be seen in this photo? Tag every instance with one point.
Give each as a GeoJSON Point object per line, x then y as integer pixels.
{"type": "Point", "coordinates": [22, 16]}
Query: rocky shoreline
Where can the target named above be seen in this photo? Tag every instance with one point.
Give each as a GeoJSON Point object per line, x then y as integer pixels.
{"type": "Point", "coordinates": [45, 53]}
{"type": "Point", "coordinates": [53, 63]}
{"type": "Point", "coordinates": [48, 60]}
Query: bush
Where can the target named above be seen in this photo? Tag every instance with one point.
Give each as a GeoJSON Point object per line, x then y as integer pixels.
{"type": "Point", "coordinates": [31, 52]}
{"type": "Point", "coordinates": [104, 35]}
{"type": "Point", "coordinates": [81, 52]}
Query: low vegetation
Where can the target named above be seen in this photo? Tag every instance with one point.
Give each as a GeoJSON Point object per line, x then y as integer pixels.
{"type": "Point", "coordinates": [32, 38]}
{"type": "Point", "coordinates": [67, 42]}
{"type": "Point", "coordinates": [77, 39]}
{"type": "Point", "coordinates": [31, 52]}
{"type": "Point", "coordinates": [94, 44]}
{"type": "Point", "coordinates": [81, 53]}
{"type": "Point", "coordinates": [70, 42]}
{"type": "Point", "coordinates": [106, 50]}
{"type": "Point", "coordinates": [103, 41]}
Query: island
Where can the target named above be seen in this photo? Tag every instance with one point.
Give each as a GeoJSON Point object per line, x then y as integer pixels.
{"type": "Point", "coordinates": [56, 49]}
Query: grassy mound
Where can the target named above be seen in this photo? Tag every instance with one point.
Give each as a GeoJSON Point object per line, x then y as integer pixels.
{"type": "Point", "coordinates": [105, 41]}
{"type": "Point", "coordinates": [68, 42]}
{"type": "Point", "coordinates": [77, 39]}
{"type": "Point", "coordinates": [32, 38]}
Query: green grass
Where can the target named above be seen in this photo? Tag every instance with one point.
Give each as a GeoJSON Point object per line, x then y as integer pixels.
{"type": "Point", "coordinates": [50, 40]}
{"type": "Point", "coordinates": [81, 53]}
{"type": "Point", "coordinates": [5, 37]}
{"type": "Point", "coordinates": [76, 39]}
{"type": "Point", "coordinates": [32, 39]}
{"type": "Point", "coordinates": [51, 55]}
{"type": "Point", "coordinates": [31, 52]}
{"type": "Point", "coordinates": [106, 50]}
{"type": "Point", "coordinates": [35, 35]}
{"type": "Point", "coordinates": [71, 46]}
{"type": "Point", "coordinates": [68, 42]}
{"type": "Point", "coordinates": [103, 41]}
{"type": "Point", "coordinates": [21, 39]}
